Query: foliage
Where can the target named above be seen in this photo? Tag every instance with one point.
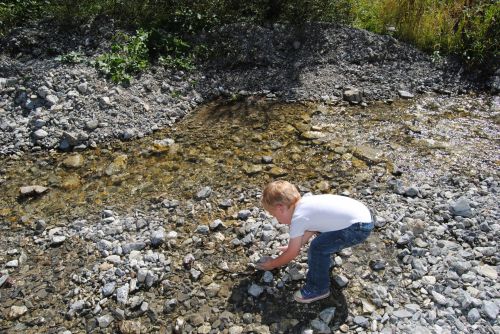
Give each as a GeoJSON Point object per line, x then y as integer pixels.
{"type": "Point", "coordinates": [72, 57]}
{"type": "Point", "coordinates": [468, 29]}
{"type": "Point", "coordinates": [128, 57]}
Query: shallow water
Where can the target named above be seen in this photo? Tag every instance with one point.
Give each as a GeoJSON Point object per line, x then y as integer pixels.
{"type": "Point", "coordinates": [222, 146]}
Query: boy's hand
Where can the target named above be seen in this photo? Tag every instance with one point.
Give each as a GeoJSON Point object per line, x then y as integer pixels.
{"type": "Point", "coordinates": [283, 248]}
{"type": "Point", "coordinates": [266, 265]}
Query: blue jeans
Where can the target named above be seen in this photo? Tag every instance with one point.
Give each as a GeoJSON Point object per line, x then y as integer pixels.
{"type": "Point", "coordinates": [325, 244]}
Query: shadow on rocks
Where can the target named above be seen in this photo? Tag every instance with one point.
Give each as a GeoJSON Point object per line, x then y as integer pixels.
{"type": "Point", "coordinates": [277, 308]}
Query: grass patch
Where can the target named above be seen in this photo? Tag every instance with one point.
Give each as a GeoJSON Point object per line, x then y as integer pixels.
{"type": "Point", "coordinates": [468, 29]}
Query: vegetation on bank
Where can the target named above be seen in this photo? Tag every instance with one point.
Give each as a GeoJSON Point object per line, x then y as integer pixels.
{"type": "Point", "coordinates": [469, 29]}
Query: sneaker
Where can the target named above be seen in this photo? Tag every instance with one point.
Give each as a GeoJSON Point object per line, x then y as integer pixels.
{"type": "Point", "coordinates": [305, 296]}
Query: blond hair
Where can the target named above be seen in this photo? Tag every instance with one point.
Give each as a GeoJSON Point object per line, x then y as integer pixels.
{"type": "Point", "coordinates": [279, 192]}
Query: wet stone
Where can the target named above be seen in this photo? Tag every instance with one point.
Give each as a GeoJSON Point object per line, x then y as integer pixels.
{"type": "Point", "coordinates": [327, 314]}
{"type": "Point", "coordinates": [377, 265]}
{"type": "Point", "coordinates": [320, 327]}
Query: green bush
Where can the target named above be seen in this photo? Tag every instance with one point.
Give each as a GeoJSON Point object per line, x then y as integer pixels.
{"type": "Point", "coordinates": [128, 56]}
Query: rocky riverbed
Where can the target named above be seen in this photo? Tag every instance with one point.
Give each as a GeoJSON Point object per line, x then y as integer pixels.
{"type": "Point", "coordinates": [157, 232]}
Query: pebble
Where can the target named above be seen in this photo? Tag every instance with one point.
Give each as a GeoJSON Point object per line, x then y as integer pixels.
{"type": "Point", "coordinates": [255, 290]}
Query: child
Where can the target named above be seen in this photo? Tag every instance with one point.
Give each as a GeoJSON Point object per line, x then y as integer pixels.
{"type": "Point", "coordinates": [337, 221]}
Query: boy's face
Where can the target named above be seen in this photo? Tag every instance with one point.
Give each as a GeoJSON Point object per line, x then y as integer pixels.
{"type": "Point", "coordinates": [281, 212]}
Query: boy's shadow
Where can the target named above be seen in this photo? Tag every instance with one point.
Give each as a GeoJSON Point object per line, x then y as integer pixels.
{"type": "Point", "coordinates": [278, 308]}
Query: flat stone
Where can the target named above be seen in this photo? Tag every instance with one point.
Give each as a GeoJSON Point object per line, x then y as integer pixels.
{"type": "Point", "coordinates": [487, 271]}
{"type": "Point", "coordinates": [73, 161]}
{"type": "Point", "coordinates": [352, 95]}
{"type": "Point", "coordinates": [402, 313]}
{"type": "Point", "coordinates": [368, 154]}
{"type": "Point", "coordinates": [312, 135]}
{"type": "Point", "coordinates": [439, 298]}
{"type": "Point", "coordinates": [32, 190]}
{"type": "Point", "coordinates": [361, 321]}
{"type": "Point", "coordinates": [405, 95]}
{"type": "Point", "coordinates": [15, 312]}
{"type": "Point", "coordinates": [490, 308]}
{"type": "Point", "coordinates": [57, 240]}
{"type": "Point", "coordinates": [40, 134]}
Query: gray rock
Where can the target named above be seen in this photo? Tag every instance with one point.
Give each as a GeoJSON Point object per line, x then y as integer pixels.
{"type": "Point", "coordinates": [353, 95]}
{"type": "Point", "coordinates": [255, 290]}
{"type": "Point", "coordinates": [40, 226]}
{"type": "Point", "coordinates": [244, 214]}
{"type": "Point", "coordinates": [57, 240]}
{"type": "Point", "coordinates": [461, 208]}
{"type": "Point", "coordinates": [204, 193]}
{"type": "Point", "coordinates": [157, 238]}
{"type": "Point", "coordinates": [195, 274]}
{"type": "Point", "coordinates": [203, 229]}
{"type": "Point", "coordinates": [108, 289]}
{"type": "Point", "coordinates": [122, 294]}
{"type": "Point", "coordinates": [361, 321]}
{"type": "Point", "coordinates": [411, 192]}
{"type": "Point", "coordinates": [327, 315]}
{"type": "Point", "coordinates": [83, 87]}
{"type": "Point", "coordinates": [267, 277]}
{"type": "Point", "coordinates": [43, 91]}
{"type": "Point", "coordinates": [405, 95]}
{"type": "Point", "coordinates": [473, 316]}
{"type": "Point", "coordinates": [40, 134]}
{"type": "Point", "coordinates": [51, 100]}
{"type": "Point", "coordinates": [32, 190]}
{"type": "Point", "coordinates": [105, 320]}
{"type": "Point", "coordinates": [401, 313]}
{"type": "Point", "coordinates": [12, 264]}
{"type": "Point", "coordinates": [320, 327]}
{"type": "Point", "coordinates": [341, 280]}
{"type": "Point", "coordinates": [439, 298]}
{"type": "Point", "coordinates": [128, 134]}
{"type": "Point", "coordinates": [490, 309]}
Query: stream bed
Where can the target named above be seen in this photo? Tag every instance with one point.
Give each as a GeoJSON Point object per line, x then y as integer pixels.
{"type": "Point", "coordinates": [159, 234]}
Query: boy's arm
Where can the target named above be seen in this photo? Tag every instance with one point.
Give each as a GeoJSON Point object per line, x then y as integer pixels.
{"type": "Point", "coordinates": [288, 255]}
{"type": "Point", "coordinates": [305, 238]}
{"type": "Point", "coordinates": [307, 235]}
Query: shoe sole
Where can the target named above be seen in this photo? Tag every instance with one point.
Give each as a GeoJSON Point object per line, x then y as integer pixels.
{"type": "Point", "coordinates": [307, 301]}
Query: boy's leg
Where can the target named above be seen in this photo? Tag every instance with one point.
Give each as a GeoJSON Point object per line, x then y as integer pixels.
{"type": "Point", "coordinates": [325, 244]}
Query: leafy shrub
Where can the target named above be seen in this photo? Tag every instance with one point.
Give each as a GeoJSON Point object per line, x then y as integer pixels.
{"type": "Point", "coordinates": [72, 57]}
{"type": "Point", "coordinates": [126, 58]}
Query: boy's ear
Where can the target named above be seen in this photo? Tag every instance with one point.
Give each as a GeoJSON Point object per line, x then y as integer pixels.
{"type": "Point", "coordinates": [281, 207]}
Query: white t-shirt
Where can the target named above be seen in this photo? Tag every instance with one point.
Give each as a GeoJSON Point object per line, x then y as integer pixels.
{"type": "Point", "coordinates": [325, 213]}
